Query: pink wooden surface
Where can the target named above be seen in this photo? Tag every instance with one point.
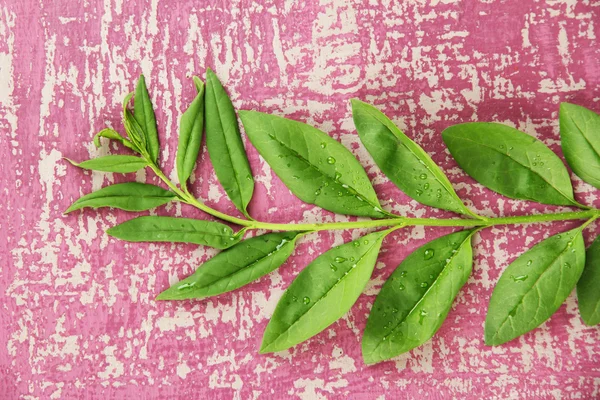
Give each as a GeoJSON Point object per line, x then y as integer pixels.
{"type": "Point", "coordinates": [77, 315]}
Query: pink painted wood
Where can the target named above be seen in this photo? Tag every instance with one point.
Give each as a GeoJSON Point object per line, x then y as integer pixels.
{"type": "Point", "coordinates": [77, 315]}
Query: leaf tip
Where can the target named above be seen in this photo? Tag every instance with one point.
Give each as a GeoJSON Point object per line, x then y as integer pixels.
{"type": "Point", "coordinates": [71, 161]}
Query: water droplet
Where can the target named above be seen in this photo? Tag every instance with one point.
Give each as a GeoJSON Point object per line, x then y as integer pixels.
{"type": "Point", "coordinates": [460, 267]}
{"type": "Point", "coordinates": [422, 315]}
{"type": "Point", "coordinates": [340, 194]}
{"type": "Point", "coordinates": [501, 146]}
{"type": "Point", "coordinates": [439, 196]}
{"type": "Point", "coordinates": [519, 278]}
{"type": "Point", "coordinates": [419, 192]}
{"type": "Point", "coordinates": [365, 241]}
{"type": "Point", "coordinates": [295, 177]}
{"type": "Point", "coordinates": [423, 176]}
{"type": "Point", "coordinates": [306, 300]}
{"type": "Point", "coordinates": [323, 145]}
{"type": "Point", "coordinates": [186, 285]}
{"type": "Point", "coordinates": [333, 267]}
{"type": "Point", "coordinates": [535, 164]}
{"type": "Point", "coordinates": [359, 198]}
{"type": "Point", "coordinates": [567, 265]}
{"type": "Point", "coordinates": [403, 274]}
{"type": "Point", "coordinates": [400, 287]}
{"type": "Point", "coordinates": [510, 148]}
{"type": "Point", "coordinates": [569, 244]}
{"type": "Point", "coordinates": [541, 164]}
{"type": "Point", "coordinates": [351, 258]}
{"type": "Point", "coordinates": [339, 259]}
{"type": "Point", "coordinates": [356, 244]}
{"type": "Point", "coordinates": [330, 160]}
{"type": "Point", "coordinates": [426, 186]}
{"type": "Point", "coordinates": [431, 276]}
{"type": "Point", "coordinates": [294, 298]}
{"type": "Point", "coordinates": [429, 253]}
{"type": "Point", "coordinates": [529, 262]}
{"type": "Point", "coordinates": [424, 284]}
{"type": "Point", "coordinates": [394, 311]}
{"type": "Point", "coordinates": [337, 175]}
{"type": "Point", "coordinates": [249, 177]}
{"type": "Point", "coordinates": [317, 192]}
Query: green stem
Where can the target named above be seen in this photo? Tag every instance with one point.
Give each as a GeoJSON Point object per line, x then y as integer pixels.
{"type": "Point", "coordinates": [396, 221]}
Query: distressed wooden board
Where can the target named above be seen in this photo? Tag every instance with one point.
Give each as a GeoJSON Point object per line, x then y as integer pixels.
{"type": "Point", "coordinates": [77, 316]}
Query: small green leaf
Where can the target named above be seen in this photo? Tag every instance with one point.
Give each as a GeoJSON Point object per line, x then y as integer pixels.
{"type": "Point", "coordinates": [534, 286]}
{"type": "Point", "coordinates": [135, 133]}
{"type": "Point", "coordinates": [235, 267]}
{"type": "Point", "coordinates": [406, 164]}
{"type": "Point", "coordinates": [322, 293]}
{"type": "Point", "coordinates": [114, 135]}
{"type": "Point", "coordinates": [179, 230]}
{"type": "Point", "coordinates": [144, 115]}
{"type": "Point", "coordinates": [116, 163]}
{"type": "Point", "coordinates": [580, 139]}
{"type": "Point", "coordinates": [315, 167]}
{"type": "Point", "coordinates": [416, 298]}
{"type": "Point", "coordinates": [190, 135]}
{"type": "Point", "coordinates": [510, 162]}
{"type": "Point", "coordinates": [588, 287]}
{"type": "Point", "coordinates": [224, 144]}
{"type": "Point", "coordinates": [131, 196]}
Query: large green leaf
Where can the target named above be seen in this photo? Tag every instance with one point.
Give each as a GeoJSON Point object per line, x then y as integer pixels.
{"type": "Point", "coordinates": [534, 286]}
{"type": "Point", "coordinates": [404, 161]}
{"type": "Point", "coordinates": [235, 267]}
{"type": "Point", "coordinates": [580, 139]}
{"type": "Point", "coordinates": [225, 146]}
{"type": "Point", "coordinates": [322, 293]}
{"type": "Point", "coordinates": [416, 298]}
{"type": "Point", "coordinates": [190, 135]}
{"type": "Point", "coordinates": [131, 196]}
{"type": "Point", "coordinates": [144, 115]}
{"type": "Point", "coordinates": [588, 287]}
{"type": "Point", "coordinates": [170, 229]}
{"type": "Point", "coordinates": [116, 163]}
{"type": "Point", "coordinates": [315, 167]}
{"type": "Point", "coordinates": [510, 162]}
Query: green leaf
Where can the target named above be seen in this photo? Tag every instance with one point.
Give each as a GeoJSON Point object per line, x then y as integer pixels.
{"type": "Point", "coordinates": [114, 135]}
{"type": "Point", "coordinates": [135, 132]}
{"type": "Point", "coordinates": [116, 163]}
{"type": "Point", "coordinates": [144, 115]}
{"type": "Point", "coordinates": [588, 287]}
{"type": "Point", "coordinates": [235, 267]}
{"type": "Point", "coordinates": [416, 298]}
{"type": "Point", "coordinates": [315, 167]}
{"type": "Point", "coordinates": [225, 146]}
{"type": "Point", "coordinates": [190, 135]}
{"type": "Point", "coordinates": [580, 139]}
{"type": "Point", "coordinates": [322, 293]}
{"type": "Point", "coordinates": [510, 162]}
{"type": "Point", "coordinates": [131, 196]}
{"type": "Point", "coordinates": [177, 230]}
{"type": "Point", "coordinates": [534, 286]}
{"type": "Point", "coordinates": [406, 164]}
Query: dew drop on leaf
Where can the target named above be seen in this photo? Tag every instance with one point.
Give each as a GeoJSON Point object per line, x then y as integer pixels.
{"type": "Point", "coordinates": [306, 300]}
{"type": "Point", "coordinates": [339, 259]}
{"type": "Point", "coordinates": [330, 160]}
{"type": "Point", "coordinates": [333, 267]}
{"type": "Point", "coordinates": [519, 278]}
{"type": "Point", "coordinates": [567, 265]}
{"type": "Point", "coordinates": [423, 176]}
{"type": "Point", "coordinates": [400, 287]}
{"type": "Point", "coordinates": [323, 145]}
{"type": "Point", "coordinates": [426, 186]}
{"type": "Point", "coordinates": [529, 262]}
{"type": "Point", "coordinates": [424, 284]}
{"type": "Point", "coordinates": [337, 174]}
{"type": "Point", "coordinates": [356, 244]}
{"type": "Point", "coordinates": [419, 192]}
{"type": "Point", "coordinates": [429, 253]}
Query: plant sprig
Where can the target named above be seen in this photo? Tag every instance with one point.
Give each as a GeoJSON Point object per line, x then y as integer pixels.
{"type": "Point", "coordinates": [418, 295]}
